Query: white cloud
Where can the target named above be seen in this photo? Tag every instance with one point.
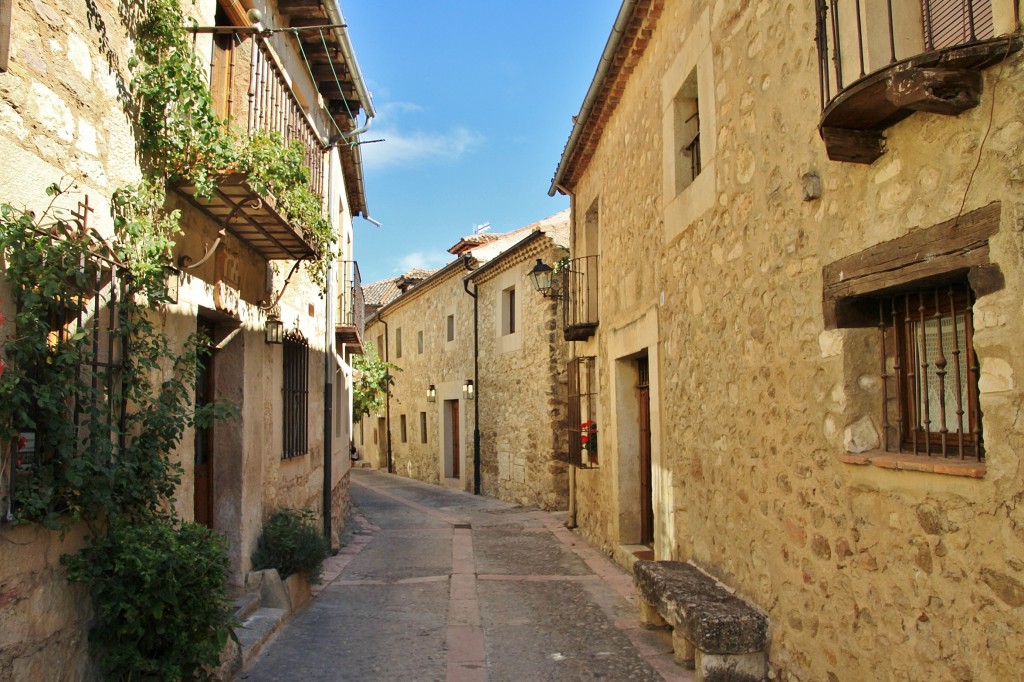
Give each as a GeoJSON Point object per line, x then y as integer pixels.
{"type": "Point", "coordinates": [420, 260]}
{"type": "Point", "coordinates": [410, 148]}
{"type": "Point", "coordinates": [404, 146]}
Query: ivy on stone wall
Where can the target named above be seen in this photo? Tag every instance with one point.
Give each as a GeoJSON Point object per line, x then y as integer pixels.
{"type": "Point", "coordinates": [370, 389]}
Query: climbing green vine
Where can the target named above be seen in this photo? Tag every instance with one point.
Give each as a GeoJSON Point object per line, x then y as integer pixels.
{"type": "Point", "coordinates": [181, 138]}
{"type": "Point", "coordinates": [370, 390]}
{"type": "Point", "coordinates": [94, 397]}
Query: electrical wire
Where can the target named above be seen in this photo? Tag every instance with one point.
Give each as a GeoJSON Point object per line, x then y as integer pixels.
{"type": "Point", "coordinates": [309, 69]}
{"type": "Point", "coordinates": [988, 129]}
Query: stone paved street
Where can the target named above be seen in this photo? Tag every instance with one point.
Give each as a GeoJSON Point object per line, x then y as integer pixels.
{"type": "Point", "coordinates": [435, 584]}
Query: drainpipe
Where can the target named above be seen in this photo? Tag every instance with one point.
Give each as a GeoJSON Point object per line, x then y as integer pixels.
{"type": "Point", "coordinates": [387, 407]}
{"type": "Point", "coordinates": [570, 522]}
{"type": "Point", "coordinates": [476, 376]}
{"type": "Point", "coordinates": [328, 388]}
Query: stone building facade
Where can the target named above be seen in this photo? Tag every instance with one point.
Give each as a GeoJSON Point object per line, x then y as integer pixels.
{"type": "Point", "coordinates": [475, 345]}
{"type": "Point", "coordinates": [765, 230]}
{"type": "Point", "coordinates": [62, 117]}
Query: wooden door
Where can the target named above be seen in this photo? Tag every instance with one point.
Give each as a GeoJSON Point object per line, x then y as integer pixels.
{"type": "Point", "coordinates": [646, 486]}
{"type": "Point", "coordinates": [203, 485]}
{"type": "Point", "coordinates": [453, 407]}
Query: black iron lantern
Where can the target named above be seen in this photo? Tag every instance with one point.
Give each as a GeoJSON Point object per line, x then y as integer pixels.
{"type": "Point", "coordinates": [541, 276]}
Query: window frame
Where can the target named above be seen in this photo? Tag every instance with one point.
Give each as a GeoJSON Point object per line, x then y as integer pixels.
{"type": "Point", "coordinates": [6, 7]}
{"type": "Point", "coordinates": [450, 327]}
{"type": "Point", "coordinates": [901, 365]}
{"type": "Point", "coordinates": [508, 311]}
{"type": "Point", "coordinates": [294, 387]}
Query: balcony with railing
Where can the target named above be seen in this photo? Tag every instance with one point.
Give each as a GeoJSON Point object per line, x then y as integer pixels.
{"type": "Point", "coordinates": [882, 60]}
{"type": "Point", "coordinates": [257, 76]}
{"type": "Point", "coordinates": [580, 287]}
{"type": "Point", "coordinates": [351, 311]}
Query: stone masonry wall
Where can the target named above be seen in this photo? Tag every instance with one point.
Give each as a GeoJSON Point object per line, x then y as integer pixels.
{"type": "Point", "coordinates": [865, 572]}
{"type": "Point", "coordinates": [522, 388]}
{"type": "Point", "coordinates": [446, 364]}
{"type": "Point", "coordinates": [60, 121]}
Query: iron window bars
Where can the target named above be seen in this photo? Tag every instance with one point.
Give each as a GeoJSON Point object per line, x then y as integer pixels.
{"type": "Point", "coordinates": [83, 314]}
{"type": "Point", "coordinates": [930, 374]}
{"type": "Point", "coordinates": [295, 394]}
{"type": "Point", "coordinates": [582, 403]}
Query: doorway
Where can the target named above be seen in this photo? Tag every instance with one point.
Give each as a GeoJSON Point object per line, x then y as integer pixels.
{"type": "Point", "coordinates": [643, 399]}
{"type": "Point", "coordinates": [452, 451]}
{"type": "Point", "coordinates": [204, 437]}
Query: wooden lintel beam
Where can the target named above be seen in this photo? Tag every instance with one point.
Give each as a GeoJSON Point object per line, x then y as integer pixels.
{"type": "Point", "coordinates": [955, 246]}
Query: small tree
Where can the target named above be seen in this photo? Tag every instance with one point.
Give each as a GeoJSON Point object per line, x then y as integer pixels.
{"type": "Point", "coordinates": [370, 390]}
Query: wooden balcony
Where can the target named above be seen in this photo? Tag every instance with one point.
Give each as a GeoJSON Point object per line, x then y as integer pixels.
{"type": "Point", "coordinates": [580, 310]}
{"type": "Point", "coordinates": [272, 106]}
{"type": "Point", "coordinates": [350, 325]}
{"type": "Point", "coordinates": [882, 60]}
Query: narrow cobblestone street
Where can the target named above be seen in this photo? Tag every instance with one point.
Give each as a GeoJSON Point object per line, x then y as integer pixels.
{"type": "Point", "coordinates": [435, 584]}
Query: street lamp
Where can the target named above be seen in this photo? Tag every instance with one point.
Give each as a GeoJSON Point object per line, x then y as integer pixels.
{"type": "Point", "coordinates": [274, 330]}
{"type": "Point", "coordinates": [431, 393]}
{"type": "Point", "coordinates": [468, 391]}
{"type": "Point", "coordinates": [541, 276]}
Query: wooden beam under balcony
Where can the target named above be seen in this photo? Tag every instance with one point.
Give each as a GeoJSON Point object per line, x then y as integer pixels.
{"type": "Point", "coordinates": [946, 81]}
{"type": "Point", "coordinates": [251, 218]}
{"type": "Point", "coordinates": [307, 7]}
{"type": "Point", "coordinates": [348, 334]}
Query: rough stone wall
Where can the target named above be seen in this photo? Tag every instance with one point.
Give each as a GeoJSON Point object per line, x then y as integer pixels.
{"type": "Point", "coordinates": [522, 389]}
{"type": "Point", "coordinates": [446, 364]}
{"type": "Point", "coordinates": [865, 573]}
{"type": "Point", "coordinates": [62, 119]}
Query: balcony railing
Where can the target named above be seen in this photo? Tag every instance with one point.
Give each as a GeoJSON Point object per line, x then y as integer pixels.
{"type": "Point", "coordinates": [881, 60]}
{"type": "Point", "coordinates": [272, 107]}
{"type": "Point", "coordinates": [580, 308]}
{"type": "Point", "coordinates": [351, 309]}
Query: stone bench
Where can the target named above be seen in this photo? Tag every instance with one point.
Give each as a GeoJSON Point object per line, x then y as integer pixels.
{"type": "Point", "coordinates": [713, 631]}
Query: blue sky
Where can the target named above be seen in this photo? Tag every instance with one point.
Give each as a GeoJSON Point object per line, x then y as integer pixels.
{"type": "Point", "coordinates": [474, 102]}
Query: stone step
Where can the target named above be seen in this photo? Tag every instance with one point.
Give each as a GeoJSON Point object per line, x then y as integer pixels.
{"type": "Point", "coordinates": [244, 605]}
{"type": "Point", "coordinates": [257, 630]}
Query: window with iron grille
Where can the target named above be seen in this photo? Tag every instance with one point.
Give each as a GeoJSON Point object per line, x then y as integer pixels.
{"type": "Point", "coordinates": [83, 321]}
{"type": "Point", "coordinates": [930, 373]}
{"type": "Point", "coordinates": [295, 394]}
{"type": "Point", "coordinates": [582, 404]}
{"type": "Point", "coordinates": [686, 133]}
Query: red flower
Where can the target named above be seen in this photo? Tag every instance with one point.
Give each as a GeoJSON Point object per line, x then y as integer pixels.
{"type": "Point", "coordinates": [21, 442]}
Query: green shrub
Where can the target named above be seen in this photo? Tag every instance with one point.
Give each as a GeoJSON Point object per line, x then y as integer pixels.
{"type": "Point", "coordinates": [160, 594]}
{"type": "Point", "coordinates": [292, 543]}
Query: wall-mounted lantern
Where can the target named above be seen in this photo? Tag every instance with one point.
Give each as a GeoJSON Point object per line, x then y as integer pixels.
{"type": "Point", "coordinates": [274, 330]}
{"type": "Point", "coordinates": [468, 391]}
{"type": "Point", "coordinates": [431, 393]}
{"type": "Point", "coordinates": [541, 276]}
{"type": "Point", "coordinates": [544, 280]}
